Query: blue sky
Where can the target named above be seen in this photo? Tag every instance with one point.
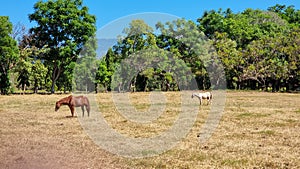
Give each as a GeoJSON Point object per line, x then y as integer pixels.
{"type": "Point", "coordinates": [108, 11]}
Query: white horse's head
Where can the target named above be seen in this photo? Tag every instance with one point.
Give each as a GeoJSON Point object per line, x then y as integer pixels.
{"type": "Point", "coordinates": [194, 94]}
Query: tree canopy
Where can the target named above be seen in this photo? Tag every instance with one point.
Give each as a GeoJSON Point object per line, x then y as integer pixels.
{"type": "Point", "coordinates": [251, 49]}
{"type": "Point", "coordinates": [63, 26]}
{"type": "Point", "coordinates": [9, 54]}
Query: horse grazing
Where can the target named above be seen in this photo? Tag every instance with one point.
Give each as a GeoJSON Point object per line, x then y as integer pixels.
{"type": "Point", "coordinates": [201, 96]}
{"type": "Point", "coordinates": [74, 101]}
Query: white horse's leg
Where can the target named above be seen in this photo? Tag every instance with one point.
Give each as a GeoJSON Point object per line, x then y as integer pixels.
{"type": "Point", "coordinates": [210, 98]}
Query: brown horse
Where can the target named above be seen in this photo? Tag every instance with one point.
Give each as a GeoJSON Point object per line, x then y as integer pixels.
{"type": "Point", "coordinates": [74, 101]}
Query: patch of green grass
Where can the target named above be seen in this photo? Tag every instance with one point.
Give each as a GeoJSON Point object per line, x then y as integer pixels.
{"type": "Point", "coordinates": [267, 132]}
{"type": "Point", "coordinates": [146, 163]}
{"type": "Point", "coordinates": [284, 123]}
{"type": "Point", "coordinates": [148, 152]}
{"type": "Point", "coordinates": [244, 115]}
{"type": "Point", "coordinates": [291, 121]}
{"type": "Point", "coordinates": [276, 124]}
{"type": "Point", "coordinates": [255, 115]}
{"type": "Point", "coordinates": [142, 107]}
{"type": "Point", "coordinates": [279, 111]}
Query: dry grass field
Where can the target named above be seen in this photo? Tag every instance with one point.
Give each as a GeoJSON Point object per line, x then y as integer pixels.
{"type": "Point", "coordinates": [257, 130]}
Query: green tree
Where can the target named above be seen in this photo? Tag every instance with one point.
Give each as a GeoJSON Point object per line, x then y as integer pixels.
{"type": "Point", "coordinates": [291, 49]}
{"type": "Point", "coordinates": [233, 36]}
{"type": "Point", "coordinates": [111, 62]}
{"type": "Point", "coordinates": [138, 36]}
{"type": "Point", "coordinates": [63, 26]}
{"type": "Point", "coordinates": [103, 75]}
{"type": "Point", "coordinates": [38, 75]}
{"type": "Point", "coordinates": [184, 40]}
{"type": "Point", "coordinates": [289, 13]}
{"type": "Point", "coordinates": [213, 21]}
{"type": "Point", "coordinates": [241, 27]}
{"type": "Point", "coordinates": [29, 69]}
{"type": "Point", "coordinates": [23, 68]}
{"type": "Point", "coordinates": [266, 62]}
{"type": "Point", "coordinates": [65, 81]}
{"type": "Point", "coordinates": [231, 59]}
{"type": "Point", "coordinates": [9, 54]}
{"type": "Point", "coordinates": [86, 67]}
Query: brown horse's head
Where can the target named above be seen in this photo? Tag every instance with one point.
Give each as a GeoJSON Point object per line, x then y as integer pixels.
{"type": "Point", "coordinates": [57, 106]}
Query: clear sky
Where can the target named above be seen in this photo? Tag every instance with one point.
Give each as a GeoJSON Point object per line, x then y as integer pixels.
{"type": "Point", "coordinates": [107, 11]}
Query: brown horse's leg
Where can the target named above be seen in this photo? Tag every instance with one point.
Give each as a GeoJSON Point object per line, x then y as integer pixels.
{"type": "Point", "coordinates": [82, 108]}
{"type": "Point", "coordinates": [88, 109]}
{"type": "Point", "coordinates": [72, 110]}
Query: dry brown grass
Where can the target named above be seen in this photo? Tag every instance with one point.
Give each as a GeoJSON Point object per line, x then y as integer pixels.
{"type": "Point", "coordinates": [257, 130]}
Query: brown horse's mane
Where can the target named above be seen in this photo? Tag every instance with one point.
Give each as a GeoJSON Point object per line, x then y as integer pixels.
{"type": "Point", "coordinates": [65, 100]}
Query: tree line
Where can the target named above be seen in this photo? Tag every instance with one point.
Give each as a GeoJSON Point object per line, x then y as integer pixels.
{"type": "Point", "coordinates": [258, 49]}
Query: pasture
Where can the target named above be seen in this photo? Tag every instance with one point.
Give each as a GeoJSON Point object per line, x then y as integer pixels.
{"type": "Point", "coordinates": [257, 130]}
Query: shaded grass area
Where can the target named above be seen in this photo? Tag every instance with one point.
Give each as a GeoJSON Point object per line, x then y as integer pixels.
{"type": "Point", "coordinates": [257, 130]}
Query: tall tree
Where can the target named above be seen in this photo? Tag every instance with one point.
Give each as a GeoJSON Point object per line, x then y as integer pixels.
{"type": "Point", "coordinates": [103, 76]}
{"type": "Point", "coordinates": [29, 68]}
{"type": "Point", "coordinates": [138, 36]}
{"type": "Point", "coordinates": [23, 68]}
{"type": "Point", "coordinates": [184, 40]}
{"type": "Point", "coordinates": [231, 59]}
{"type": "Point", "coordinates": [107, 70]}
{"type": "Point", "coordinates": [212, 21]}
{"type": "Point", "coordinates": [38, 75]}
{"type": "Point", "coordinates": [292, 52]}
{"type": "Point", "coordinates": [63, 26]}
{"type": "Point", "coordinates": [9, 53]}
{"type": "Point", "coordinates": [86, 67]}
{"type": "Point", "coordinates": [266, 62]}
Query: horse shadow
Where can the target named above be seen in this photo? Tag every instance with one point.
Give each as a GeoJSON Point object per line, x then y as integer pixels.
{"type": "Point", "coordinates": [71, 116]}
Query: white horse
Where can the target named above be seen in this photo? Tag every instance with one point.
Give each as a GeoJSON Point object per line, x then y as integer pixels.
{"type": "Point", "coordinates": [201, 96]}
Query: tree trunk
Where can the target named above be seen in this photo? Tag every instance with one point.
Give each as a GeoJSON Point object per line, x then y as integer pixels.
{"type": "Point", "coordinates": [167, 86]}
{"type": "Point", "coordinates": [52, 87]}
{"type": "Point", "coordinates": [96, 88]}
{"type": "Point", "coordinates": [119, 87]}
{"type": "Point", "coordinates": [35, 89]}
{"type": "Point", "coordinates": [55, 75]}
{"type": "Point", "coordinates": [24, 89]}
